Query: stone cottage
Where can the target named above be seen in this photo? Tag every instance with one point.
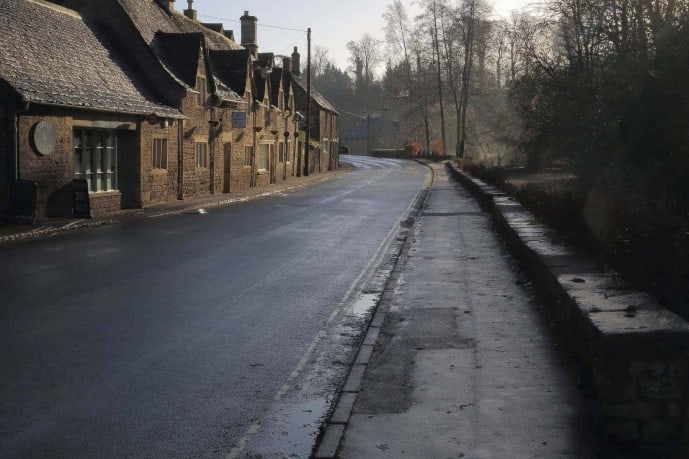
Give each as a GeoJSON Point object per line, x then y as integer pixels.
{"type": "Point", "coordinates": [74, 109]}
{"type": "Point", "coordinates": [134, 104]}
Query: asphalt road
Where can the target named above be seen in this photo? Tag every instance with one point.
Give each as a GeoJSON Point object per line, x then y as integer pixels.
{"type": "Point", "coordinates": [193, 335]}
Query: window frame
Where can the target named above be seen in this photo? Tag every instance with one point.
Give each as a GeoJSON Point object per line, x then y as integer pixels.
{"type": "Point", "coordinates": [262, 160]}
{"type": "Point", "coordinates": [159, 153]}
{"type": "Point", "coordinates": [201, 155]}
{"type": "Point", "coordinates": [248, 154]}
{"type": "Point", "coordinates": [95, 158]}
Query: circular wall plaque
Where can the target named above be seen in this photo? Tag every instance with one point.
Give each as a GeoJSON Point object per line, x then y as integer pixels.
{"type": "Point", "coordinates": [44, 137]}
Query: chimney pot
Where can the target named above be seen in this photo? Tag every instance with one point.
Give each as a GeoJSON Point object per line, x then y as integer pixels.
{"type": "Point", "coordinates": [287, 64]}
{"type": "Point", "coordinates": [249, 40]}
{"type": "Point", "coordinates": [190, 12]}
{"type": "Point", "coordinates": [296, 62]}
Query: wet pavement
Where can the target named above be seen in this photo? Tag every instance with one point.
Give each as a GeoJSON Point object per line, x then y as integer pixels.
{"type": "Point", "coordinates": [217, 334]}
{"type": "Point", "coordinates": [466, 364]}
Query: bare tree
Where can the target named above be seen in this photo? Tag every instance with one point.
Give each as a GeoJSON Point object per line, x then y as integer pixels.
{"type": "Point", "coordinates": [411, 84]}
{"type": "Point", "coordinates": [436, 48]}
{"type": "Point", "coordinates": [469, 16]}
{"type": "Point", "coordinates": [366, 51]}
{"type": "Point", "coordinates": [319, 61]}
{"type": "Point", "coordinates": [499, 42]}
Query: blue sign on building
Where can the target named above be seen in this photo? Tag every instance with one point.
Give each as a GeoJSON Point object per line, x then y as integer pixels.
{"type": "Point", "coordinates": [238, 120]}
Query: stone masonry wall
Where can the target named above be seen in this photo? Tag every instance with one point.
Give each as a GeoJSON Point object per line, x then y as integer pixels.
{"type": "Point", "coordinates": [53, 172]}
{"type": "Point", "coordinates": [633, 353]}
{"type": "Point", "coordinates": [104, 203]}
{"type": "Point", "coordinates": [196, 180]}
{"type": "Point", "coordinates": [159, 185]}
{"type": "Point", "coordinates": [6, 150]}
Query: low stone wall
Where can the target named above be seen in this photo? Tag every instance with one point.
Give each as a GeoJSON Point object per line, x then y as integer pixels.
{"type": "Point", "coordinates": [633, 353]}
{"type": "Point", "coordinates": [105, 203]}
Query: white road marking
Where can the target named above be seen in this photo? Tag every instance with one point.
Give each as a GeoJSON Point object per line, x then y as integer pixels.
{"type": "Point", "coordinates": [349, 295]}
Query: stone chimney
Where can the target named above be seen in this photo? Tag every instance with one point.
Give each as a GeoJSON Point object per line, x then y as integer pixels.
{"type": "Point", "coordinates": [296, 63]}
{"type": "Point", "coordinates": [249, 40]}
{"type": "Point", "coordinates": [286, 65]}
{"type": "Point", "coordinates": [190, 12]}
{"type": "Point", "coordinates": [167, 5]}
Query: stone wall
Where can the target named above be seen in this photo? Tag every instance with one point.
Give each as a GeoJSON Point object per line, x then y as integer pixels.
{"type": "Point", "coordinates": [196, 181]}
{"type": "Point", "coordinates": [6, 150]}
{"type": "Point", "coordinates": [52, 173]}
{"type": "Point", "coordinates": [632, 353]}
{"type": "Point", "coordinates": [104, 203]}
{"type": "Point", "coordinates": [159, 185]}
{"type": "Point", "coordinates": [138, 183]}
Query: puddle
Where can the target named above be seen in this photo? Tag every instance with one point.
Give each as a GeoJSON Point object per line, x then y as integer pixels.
{"type": "Point", "coordinates": [299, 428]}
{"type": "Point", "coordinates": [364, 304]}
{"type": "Point", "coordinates": [200, 211]}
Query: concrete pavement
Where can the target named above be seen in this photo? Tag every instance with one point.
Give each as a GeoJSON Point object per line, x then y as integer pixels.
{"type": "Point", "coordinates": [465, 364]}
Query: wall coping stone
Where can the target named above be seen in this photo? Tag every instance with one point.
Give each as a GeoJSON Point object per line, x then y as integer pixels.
{"type": "Point", "coordinates": [606, 323]}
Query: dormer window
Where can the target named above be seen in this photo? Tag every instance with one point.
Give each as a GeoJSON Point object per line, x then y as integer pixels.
{"type": "Point", "coordinates": [201, 88]}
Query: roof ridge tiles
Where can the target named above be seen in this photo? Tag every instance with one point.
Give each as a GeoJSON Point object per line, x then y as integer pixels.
{"type": "Point", "coordinates": [56, 7]}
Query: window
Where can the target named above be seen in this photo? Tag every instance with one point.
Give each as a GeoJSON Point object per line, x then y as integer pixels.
{"type": "Point", "coordinates": [159, 153]}
{"type": "Point", "coordinates": [263, 158]}
{"type": "Point", "coordinates": [201, 88]}
{"type": "Point", "coordinates": [201, 155]}
{"type": "Point", "coordinates": [288, 152]}
{"type": "Point", "coordinates": [248, 153]}
{"type": "Point", "coordinates": [95, 158]}
{"type": "Point", "coordinates": [281, 152]}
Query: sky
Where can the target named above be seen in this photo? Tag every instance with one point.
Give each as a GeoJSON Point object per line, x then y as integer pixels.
{"type": "Point", "coordinates": [282, 24]}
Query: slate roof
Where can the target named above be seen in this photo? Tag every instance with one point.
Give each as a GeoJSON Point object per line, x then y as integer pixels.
{"type": "Point", "coordinates": [180, 53]}
{"type": "Point", "coordinates": [50, 56]}
{"type": "Point", "coordinates": [316, 96]}
{"type": "Point", "coordinates": [231, 67]}
{"type": "Point", "coordinates": [153, 22]}
{"type": "Point", "coordinates": [266, 59]}
{"type": "Point", "coordinates": [214, 26]}
{"type": "Point", "coordinates": [148, 17]}
{"type": "Point", "coordinates": [275, 80]}
{"type": "Point", "coordinates": [260, 86]}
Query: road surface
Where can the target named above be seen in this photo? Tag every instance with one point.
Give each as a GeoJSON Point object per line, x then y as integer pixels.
{"type": "Point", "coordinates": [194, 335]}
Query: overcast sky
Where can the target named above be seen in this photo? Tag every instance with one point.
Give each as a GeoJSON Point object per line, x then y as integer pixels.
{"type": "Point", "coordinates": [333, 22]}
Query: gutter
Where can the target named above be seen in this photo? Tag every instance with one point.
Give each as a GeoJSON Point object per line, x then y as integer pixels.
{"type": "Point", "coordinates": [180, 159]}
{"type": "Point", "coordinates": [178, 115]}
